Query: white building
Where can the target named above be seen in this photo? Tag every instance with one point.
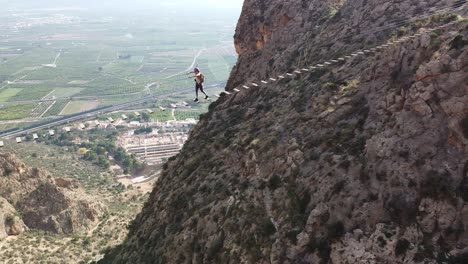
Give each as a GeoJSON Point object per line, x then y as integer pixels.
{"type": "Point", "coordinates": [134, 124]}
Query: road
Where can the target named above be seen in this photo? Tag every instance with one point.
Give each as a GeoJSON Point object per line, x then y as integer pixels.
{"type": "Point", "coordinates": [94, 113]}
{"type": "Point", "coordinates": [190, 67]}
{"type": "Point", "coordinates": [95, 97]}
{"type": "Point", "coordinates": [17, 79]}
{"type": "Point", "coordinates": [195, 59]}
{"type": "Point", "coordinates": [45, 97]}
{"type": "Point", "coordinates": [21, 121]}
{"type": "Point", "coordinates": [54, 64]}
{"type": "Point", "coordinates": [56, 57]}
{"type": "Point", "coordinates": [121, 78]}
{"type": "Point", "coordinates": [48, 108]}
{"type": "Point", "coordinates": [73, 118]}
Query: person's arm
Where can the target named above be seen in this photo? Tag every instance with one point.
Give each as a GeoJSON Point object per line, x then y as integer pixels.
{"type": "Point", "coordinates": [198, 75]}
{"type": "Point", "coordinates": [190, 77]}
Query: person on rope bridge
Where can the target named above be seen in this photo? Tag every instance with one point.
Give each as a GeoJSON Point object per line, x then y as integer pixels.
{"type": "Point", "coordinates": [199, 80]}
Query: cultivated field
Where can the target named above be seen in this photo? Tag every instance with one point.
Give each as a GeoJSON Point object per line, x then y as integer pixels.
{"type": "Point", "coordinates": [109, 60]}
{"type": "Point", "coordinates": [8, 93]}
{"type": "Point", "coordinates": [79, 106]}
{"type": "Point", "coordinates": [17, 111]}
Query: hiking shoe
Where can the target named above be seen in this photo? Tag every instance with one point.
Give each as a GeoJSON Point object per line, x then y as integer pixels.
{"type": "Point", "coordinates": [206, 98]}
{"type": "Point", "coordinates": [196, 100]}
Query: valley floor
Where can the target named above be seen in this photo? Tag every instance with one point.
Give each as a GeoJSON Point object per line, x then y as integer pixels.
{"type": "Point", "coordinates": [122, 202]}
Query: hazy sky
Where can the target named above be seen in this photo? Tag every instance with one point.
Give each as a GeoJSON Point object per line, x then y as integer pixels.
{"type": "Point", "coordinates": [214, 3]}
{"type": "Point", "coordinates": [125, 4]}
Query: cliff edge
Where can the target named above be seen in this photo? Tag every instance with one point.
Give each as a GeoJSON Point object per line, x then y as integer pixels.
{"type": "Point", "coordinates": [361, 162]}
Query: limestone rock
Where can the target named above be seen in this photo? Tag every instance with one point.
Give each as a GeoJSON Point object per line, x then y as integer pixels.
{"type": "Point", "coordinates": [362, 162]}
{"type": "Point", "coordinates": [48, 208]}
{"type": "Point", "coordinates": [42, 203]}
{"type": "Point", "coordinates": [10, 222]}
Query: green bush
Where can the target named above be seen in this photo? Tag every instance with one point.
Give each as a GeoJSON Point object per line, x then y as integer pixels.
{"type": "Point", "coordinates": [268, 227]}
{"type": "Point", "coordinates": [458, 42]}
{"type": "Point", "coordinates": [216, 247]}
{"type": "Point", "coordinates": [7, 172]}
{"type": "Point", "coordinates": [464, 126]}
{"type": "Point", "coordinates": [401, 247]}
{"type": "Point", "coordinates": [9, 220]}
{"type": "Point", "coordinates": [144, 130]}
{"type": "Point", "coordinates": [274, 182]}
{"type": "Point", "coordinates": [437, 185]}
{"type": "Point", "coordinates": [335, 230]}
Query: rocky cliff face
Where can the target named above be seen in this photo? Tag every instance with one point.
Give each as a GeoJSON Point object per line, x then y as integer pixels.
{"type": "Point", "coordinates": [10, 222]}
{"type": "Point", "coordinates": [30, 198]}
{"type": "Point", "coordinates": [363, 162]}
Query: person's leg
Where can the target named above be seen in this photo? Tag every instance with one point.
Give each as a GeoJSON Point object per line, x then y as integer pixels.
{"type": "Point", "coordinates": [196, 91]}
{"type": "Point", "coordinates": [201, 89]}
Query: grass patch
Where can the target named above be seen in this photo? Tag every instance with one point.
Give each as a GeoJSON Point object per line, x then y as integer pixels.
{"type": "Point", "coordinates": [79, 106]}
{"type": "Point", "coordinates": [9, 93]}
{"type": "Point", "coordinates": [66, 92]}
{"type": "Point", "coordinates": [11, 112]}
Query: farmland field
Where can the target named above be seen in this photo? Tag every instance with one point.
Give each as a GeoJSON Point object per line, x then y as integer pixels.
{"type": "Point", "coordinates": [108, 59]}
{"type": "Point", "coordinates": [6, 94]}
{"type": "Point", "coordinates": [78, 106]}
{"type": "Point", "coordinates": [65, 92]}
{"type": "Point", "coordinates": [162, 116]}
{"type": "Point", "coordinates": [56, 108]}
{"type": "Point", "coordinates": [183, 115]}
{"type": "Point", "coordinates": [11, 112]}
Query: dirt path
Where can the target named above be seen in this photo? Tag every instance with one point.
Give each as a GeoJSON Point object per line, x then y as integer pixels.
{"type": "Point", "coordinates": [8, 83]}
{"type": "Point", "coordinates": [56, 57]}
{"type": "Point", "coordinates": [48, 108]}
{"type": "Point", "coordinates": [90, 232]}
{"type": "Point", "coordinates": [191, 66]}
